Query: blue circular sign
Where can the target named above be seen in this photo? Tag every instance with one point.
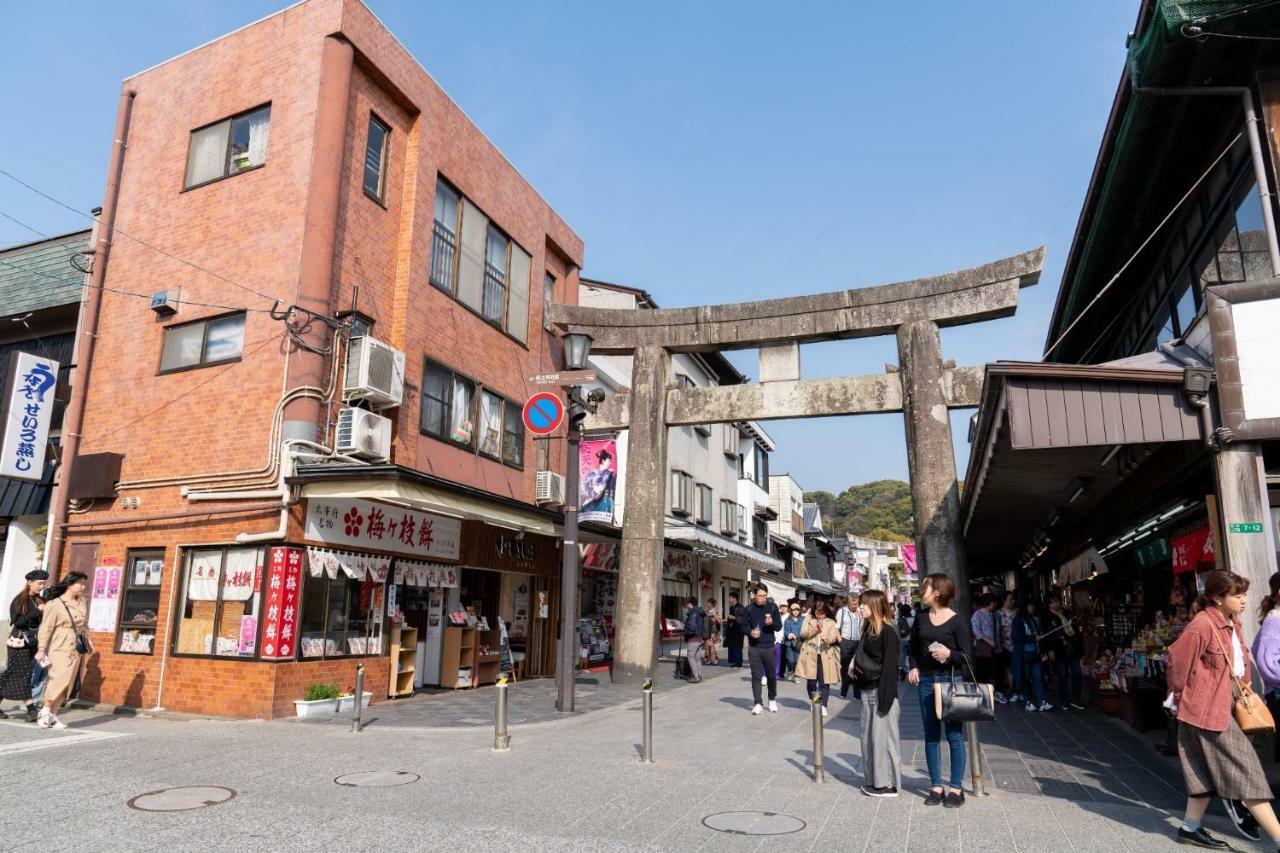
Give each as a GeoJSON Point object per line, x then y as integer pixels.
{"type": "Point", "coordinates": [543, 413]}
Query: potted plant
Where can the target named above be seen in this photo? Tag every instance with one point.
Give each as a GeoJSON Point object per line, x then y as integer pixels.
{"type": "Point", "coordinates": [347, 700]}
{"type": "Point", "coordinates": [319, 699]}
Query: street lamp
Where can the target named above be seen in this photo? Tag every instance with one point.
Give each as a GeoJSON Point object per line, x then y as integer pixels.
{"type": "Point", "coordinates": [577, 348]}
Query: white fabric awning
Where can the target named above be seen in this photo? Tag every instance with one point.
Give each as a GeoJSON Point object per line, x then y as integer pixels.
{"type": "Point", "coordinates": [418, 496]}
{"type": "Point", "coordinates": [328, 562]}
{"type": "Point", "coordinates": [415, 573]}
{"type": "Point", "coordinates": [1082, 566]}
{"type": "Point", "coordinates": [778, 591]}
{"type": "Point", "coordinates": [707, 544]}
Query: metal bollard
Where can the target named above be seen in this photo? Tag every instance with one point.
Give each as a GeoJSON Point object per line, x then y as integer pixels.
{"type": "Point", "coordinates": [975, 759]}
{"type": "Point", "coordinates": [819, 774]}
{"type": "Point", "coordinates": [355, 711]}
{"type": "Point", "coordinates": [646, 707]}
{"type": "Point", "coordinates": [501, 740]}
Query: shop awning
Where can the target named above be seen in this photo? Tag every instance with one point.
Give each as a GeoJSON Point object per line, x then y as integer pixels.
{"type": "Point", "coordinates": [778, 591]}
{"type": "Point", "coordinates": [1082, 567]}
{"type": "Point", "coordinates": [708, 544]}
{"type": "Point", "coordinates": [820, 587]}
{"type": "Point", "coordinates": [329, 562]}
{"type": "Point", "coordinates": [415, 573]}
{"type": "Point", "coordinates": [1060, 452]}
{"type": "Point", "coordinates": [432, 499]}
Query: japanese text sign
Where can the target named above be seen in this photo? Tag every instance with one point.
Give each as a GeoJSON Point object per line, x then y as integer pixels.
{"type": "Point", "coordinates": [366, 524]}
{"type": "Point", "coordinates": [284, 587]}
{"type": "Point", "coordinates": [30, 411]}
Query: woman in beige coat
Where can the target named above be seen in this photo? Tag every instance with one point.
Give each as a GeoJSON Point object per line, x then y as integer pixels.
{"type": "Point", "coordinates": [819, 662]}
{"type": "Point", "coordinates": [63, 620]}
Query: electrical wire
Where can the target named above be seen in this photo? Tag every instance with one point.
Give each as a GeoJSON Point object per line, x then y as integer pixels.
{"type": "Point", "coordinates": [140, 241]}
{"type": "Point", "coordinates": [1144, 245]}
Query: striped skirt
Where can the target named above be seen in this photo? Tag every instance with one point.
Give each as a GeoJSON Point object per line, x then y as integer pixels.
{"type": "Point", "coordinates": [1222, 764]}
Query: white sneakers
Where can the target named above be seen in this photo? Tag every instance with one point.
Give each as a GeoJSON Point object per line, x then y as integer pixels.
{"type": "Point", "coordinates": [1002, 699]}
{"type": "Point", "coordinates": [49, 721]}
{"type": "Point", "coordinates": [764, 679]}
{"type": "Point", "coordinates": [1031, 706]}
{"type": "Point", "coordinates": [1045, 706]}
{"type": "Point", "coordinates": [773, 707]}
{"type": "Point", "coordinates": [824, 710]}
{"type": "Point", "coordinates": [757, 710]}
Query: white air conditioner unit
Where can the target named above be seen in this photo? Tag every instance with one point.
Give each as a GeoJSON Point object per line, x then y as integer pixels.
{"type": "Point", "coordinates": [549, 488]}
{"type": "Point", "coordinates": [364, 434]}
{"type": "Point", "coordinates": [375, 372]}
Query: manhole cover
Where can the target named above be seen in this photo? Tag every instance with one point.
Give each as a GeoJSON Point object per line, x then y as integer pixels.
{"type": "Point", "coordinates": [181, 799]}
{"type": "Point", "coordinates": [377, 779]}
{"type": "Point", "coordinates": [753, 823]}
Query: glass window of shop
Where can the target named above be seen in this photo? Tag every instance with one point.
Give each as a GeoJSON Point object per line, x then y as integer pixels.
{"type": "Point", "coordinates": [138, 613]}
{"type": "Point", "coordinates": [341, 617]}
{"type": "Point", "coordinates": [219, 611]}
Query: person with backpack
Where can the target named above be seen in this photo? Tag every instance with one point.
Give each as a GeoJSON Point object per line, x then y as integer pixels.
{"type": "Point", "coordinates": [697, 628]}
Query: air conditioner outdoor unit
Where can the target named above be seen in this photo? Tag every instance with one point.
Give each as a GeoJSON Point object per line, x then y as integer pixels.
{"type": "Point", "coordinates": [549, 489]}
{"type": "Point", "coordinates": [375, 372]}
{"type": "Point", "coordinates": [363, 434]}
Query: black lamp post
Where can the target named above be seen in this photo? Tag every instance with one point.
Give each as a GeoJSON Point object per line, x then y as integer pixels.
{"type": "Point", "coordinates": [577, 349]}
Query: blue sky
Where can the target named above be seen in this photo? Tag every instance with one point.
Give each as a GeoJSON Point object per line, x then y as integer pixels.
{"type": "Point", "coordinates": [707, 152]}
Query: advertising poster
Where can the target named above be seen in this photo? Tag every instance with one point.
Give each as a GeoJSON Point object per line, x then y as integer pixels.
{"type": "Point", "coordinates": [598, 462]}
{"type": "Point", "coordinates": [908, 553]}
{"type": "Point", "coordinates": [105, 598]}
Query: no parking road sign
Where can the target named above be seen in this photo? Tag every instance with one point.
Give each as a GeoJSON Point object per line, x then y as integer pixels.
{"type": "Point", "coordinates": [543, 413]}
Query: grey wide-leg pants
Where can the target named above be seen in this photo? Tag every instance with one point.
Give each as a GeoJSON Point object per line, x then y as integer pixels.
{"type": "Point", "coordinates": [881, 754]}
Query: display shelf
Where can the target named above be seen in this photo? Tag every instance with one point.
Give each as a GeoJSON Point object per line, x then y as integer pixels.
{"type": "Point", "coordinates": [403, 647]}
{"type": "Point", "coordinates": [462, 665]}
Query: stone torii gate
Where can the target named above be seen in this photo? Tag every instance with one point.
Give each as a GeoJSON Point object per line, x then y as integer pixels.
{"type": "Point", "coordinates": [924, 388]}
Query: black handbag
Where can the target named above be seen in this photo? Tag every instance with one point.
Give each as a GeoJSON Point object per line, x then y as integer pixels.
{"type": "Point", "coordinates": [82, 642]}
{"type": "Point", "coordinates": [959, 701]}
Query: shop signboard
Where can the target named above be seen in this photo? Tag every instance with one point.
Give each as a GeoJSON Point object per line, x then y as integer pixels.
{"type": "Point", "coordinates": [1192, 550]}
{"type": "Point", "coordinates": [367, 524]}
{"type": "Point", "coordinates": [28, 416]}
{"type": "Point", "coordinates": [598, 462]}
{"type": "Point", "coordinates": [284, 583]}
{"type": "Point", "coordinates": [501, 549]}
{"type": "Point", "coordinates": [1153, 553]}
{"type": "Point", "coordinates": [600, 556]}
{"type": "Point", "coordinates": [677, 565]}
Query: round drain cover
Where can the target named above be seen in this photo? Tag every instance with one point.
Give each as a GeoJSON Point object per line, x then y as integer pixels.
{"type": "Point", "coordinates": [377, 779]}
{"type": "Point", "coordinates": [181, 799]}
{"type": "Point", "coordinates": [753, 823]}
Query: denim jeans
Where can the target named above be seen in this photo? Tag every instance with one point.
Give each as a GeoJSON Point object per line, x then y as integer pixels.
{"type": "Point", "coordinates": [39, 678]}
{"type": "Point", "coordinates": [933, 730]}
{"type": "Point", "coordinates": [1063, 668]}
{"type": "Point", "coordinates": [1034, 676]}
{"type": "Point", "coordinates": [1019, 677]}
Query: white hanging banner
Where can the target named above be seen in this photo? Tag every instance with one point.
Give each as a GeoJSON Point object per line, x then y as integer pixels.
{"type": "Point", "coordinates": [30, 411]}
{"type": "Point", "coordinates": [323, 561]}
{"type": "Point", "coordinates": [426, 574]}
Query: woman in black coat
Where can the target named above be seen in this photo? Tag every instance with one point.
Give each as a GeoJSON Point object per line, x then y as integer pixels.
{"type": "Point", "coordinates": [24, 618]}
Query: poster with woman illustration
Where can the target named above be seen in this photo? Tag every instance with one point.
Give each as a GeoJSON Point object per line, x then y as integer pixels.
{"type": "Point", "coordinates": [598, 463]}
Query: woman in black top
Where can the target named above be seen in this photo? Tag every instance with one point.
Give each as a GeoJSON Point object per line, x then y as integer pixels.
{"type": "Point", "coordinates": [940, 639]}
{"type": "Point", "coordinates": [24, 619]}
{"type": "Point", "coordinates": [875, 671]}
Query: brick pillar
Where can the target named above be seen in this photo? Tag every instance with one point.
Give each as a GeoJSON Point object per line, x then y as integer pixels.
{"type": "Point", "coordinates": [635, 653]}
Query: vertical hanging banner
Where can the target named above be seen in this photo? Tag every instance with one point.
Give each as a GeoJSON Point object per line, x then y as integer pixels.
{"type": "Point", "coordinates": [598, 462]}
{"type": "Point", "coordinates": [908, 553]}
{"type": "Point", "coordinates": [284, 584]}
{"type": "Point", "coordinates": [27, 417]}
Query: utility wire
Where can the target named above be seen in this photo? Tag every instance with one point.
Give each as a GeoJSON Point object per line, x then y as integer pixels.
{"type": "Point", "coordinates": [71, 283]}
{"type": "Point", "coordinates": [1144, 244]}
{"type": "Point", "coordinates": [139, 240]}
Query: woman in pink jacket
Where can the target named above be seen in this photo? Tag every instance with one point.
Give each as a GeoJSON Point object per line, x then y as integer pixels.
{"type": "Point", "coordinates": [1205, 665]}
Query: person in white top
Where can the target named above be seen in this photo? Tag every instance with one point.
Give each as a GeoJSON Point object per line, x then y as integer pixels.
{"type": "Point", "coordinates": [849, 621]}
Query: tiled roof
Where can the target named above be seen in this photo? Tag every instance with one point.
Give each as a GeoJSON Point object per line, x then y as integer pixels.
{"type": "Point", "coordinates": [812, 518]}
{"type": "Point", "coordinates": [39, 275]}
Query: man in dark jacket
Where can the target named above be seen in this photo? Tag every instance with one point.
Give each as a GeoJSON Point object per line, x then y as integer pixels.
{"type": "Point", "coordinates": [761, 620]}
{"type": "Point", "coordinates": [697, 627]}
{"type": "Point", "coordinates": [733, 631]}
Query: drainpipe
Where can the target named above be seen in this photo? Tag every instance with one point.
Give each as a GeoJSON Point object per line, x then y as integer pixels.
{"type": "Point", "coordinates": [1200, 401]}
{"type": "Point", "coordinates": [87, 333]}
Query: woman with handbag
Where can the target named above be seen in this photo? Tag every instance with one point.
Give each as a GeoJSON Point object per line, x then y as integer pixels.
{"type": "Point", "coordinates": [791, 628]}
{"type": "Point", "coordinates": [875, 671]}
{"type": "Point", "coordinates": [940, 640]}
{"type": "Point", "coordinates": [24, 622]}
{"type": "Point", "coordinates": [62, 644]}
{"type": "Point", "coordinates": [1209, 673]}
{"type": "Point", "coordinates": [819, 662]}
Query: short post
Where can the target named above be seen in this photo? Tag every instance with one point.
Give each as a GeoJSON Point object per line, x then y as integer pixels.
{"type": "Point", "coordinates": [818, 773]}
{"type": "Point", "coordinates": [975, 759]}
{"type": "Point", "coordinates": [501, 740]}
{"type": "Point", "coordinates": [355, 710]}
{"type": "Point", "coordinates": [646, 707]}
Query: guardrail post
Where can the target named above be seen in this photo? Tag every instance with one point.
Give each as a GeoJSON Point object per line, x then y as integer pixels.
{"type": "Point", "coordinates": [819, 774]}
{"type": "Point", "coordinates": [646, 706]}
{"type": "Point", "coordinates": [355, 711]}
{"type": "Point", "coordinates": [975, 759]}
{"type": "Point", "coordinates": [501, 740]}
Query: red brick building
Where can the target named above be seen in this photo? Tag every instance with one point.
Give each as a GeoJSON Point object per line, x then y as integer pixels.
{"type": "Point", "coordinates": [308, 160]}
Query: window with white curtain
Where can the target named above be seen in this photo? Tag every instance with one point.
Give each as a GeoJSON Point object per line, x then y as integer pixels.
{"type": "Point", "coordinates": [462, 412]}
{"type": "Point", "coordinates": [490, 424]}
{"type": "Point", "coordinates": [233, 145]}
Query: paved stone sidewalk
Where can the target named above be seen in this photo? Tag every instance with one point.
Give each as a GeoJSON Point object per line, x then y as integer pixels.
{"type": "Point", "coordinates": [1067, 783]}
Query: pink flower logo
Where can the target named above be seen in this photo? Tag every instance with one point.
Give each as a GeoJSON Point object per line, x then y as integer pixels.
{"type": "Point", "coordinates": [352, 521]}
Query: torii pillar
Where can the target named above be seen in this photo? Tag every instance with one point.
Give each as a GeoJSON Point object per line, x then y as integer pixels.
{"type": "Point", "coordinates": [924, 389]}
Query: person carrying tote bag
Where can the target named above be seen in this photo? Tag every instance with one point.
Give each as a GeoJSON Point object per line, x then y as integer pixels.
{"type": "Point", "coordinates": [940, 640]}
{"type": "Point", "coordinates": [1209, 673]}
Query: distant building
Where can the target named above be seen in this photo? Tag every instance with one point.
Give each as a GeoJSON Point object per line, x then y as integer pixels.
{"type": "Point", "coordinates": [819, 553]}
